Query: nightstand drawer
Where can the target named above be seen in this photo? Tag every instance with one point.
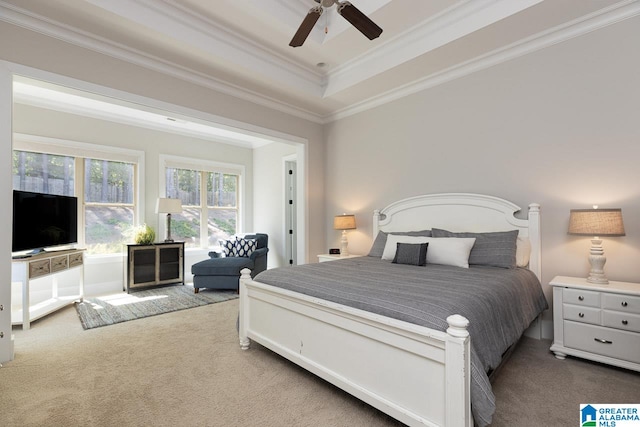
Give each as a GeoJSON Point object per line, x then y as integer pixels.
{"type": "Point", "coordinates": [626, 321]}
{"type": "Point", "coordinates": [623, 303]}
{"type": "Point", "coordinates": [581, 297]}
{"type": "Point", "coordinates": [606, 342]}
{"type": "Point", "coordinates": [581, 314]}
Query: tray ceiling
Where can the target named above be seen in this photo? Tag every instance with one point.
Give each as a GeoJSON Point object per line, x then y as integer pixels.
{"type": "Point", "coordinates": [242, 45]}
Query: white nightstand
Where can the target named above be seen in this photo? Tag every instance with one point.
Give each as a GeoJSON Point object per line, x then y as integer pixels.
{"type": "Point", "coordinates": [597, 322]}
{"type": "Point", "coordinates": [329, 257]}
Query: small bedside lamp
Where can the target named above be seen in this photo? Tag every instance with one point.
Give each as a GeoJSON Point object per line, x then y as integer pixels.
{"type": "Point", "coordinates": [168, 206]}
{"type": "Point", "coordinates": [344, 222]}
{"type": "Point", "coordinates": [596, 222]}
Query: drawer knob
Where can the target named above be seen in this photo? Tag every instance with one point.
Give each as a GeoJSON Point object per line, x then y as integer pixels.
{"type": "Point", "coordinates": [624, 322]}
{"type": "Point", "coordinates": [623, 303]}
{"type": "Point", "coordinates": [603, 341]}
{"type": "Point", "coordinates": [580, 298]}
{"type": "Point", "coordinates": [581, 314]}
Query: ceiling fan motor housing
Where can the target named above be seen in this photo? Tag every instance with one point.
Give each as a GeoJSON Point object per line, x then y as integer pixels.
{"type": "Point", "coordinates": [326, 3]}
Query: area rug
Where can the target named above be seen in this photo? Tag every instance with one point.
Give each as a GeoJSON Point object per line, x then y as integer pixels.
{"type": "Point", "coordinates": [111, 309]}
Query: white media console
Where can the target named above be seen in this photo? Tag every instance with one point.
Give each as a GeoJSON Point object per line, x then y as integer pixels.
{"type": "Point", "coordinates": [23, 270]}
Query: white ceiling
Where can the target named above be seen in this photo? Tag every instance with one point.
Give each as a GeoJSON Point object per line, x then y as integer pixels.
{"type": "Point", "coordinates": [241, 46]}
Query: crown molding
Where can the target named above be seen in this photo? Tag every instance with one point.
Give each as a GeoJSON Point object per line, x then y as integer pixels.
{"type": "Point", "coordinates": [178, 22]}
{"type": "Point", "coordinates": [578, 27]}
{"type": "Point", "coordinates": [457, 21]}
{"type": "Point", "coordinates": [25, 19]}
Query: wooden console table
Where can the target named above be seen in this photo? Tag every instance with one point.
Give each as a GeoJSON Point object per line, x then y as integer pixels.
{"type": "Point", "coordinates": [24, 270]}
{"type": "Point", "coordinates": [155, 264]}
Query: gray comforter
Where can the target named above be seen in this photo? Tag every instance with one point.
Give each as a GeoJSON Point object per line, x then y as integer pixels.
{"type": "Point", "coordinates": [499, 303]}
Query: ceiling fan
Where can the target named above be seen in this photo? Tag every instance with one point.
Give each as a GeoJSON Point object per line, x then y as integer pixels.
{"type": "Point", "coordinates": [348, 11]}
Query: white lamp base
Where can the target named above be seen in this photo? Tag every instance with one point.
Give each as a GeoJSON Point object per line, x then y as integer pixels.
{"type": "Point", "coordinates": [344, 244]}
{"type": "Point", "coordinates": [597, 261]}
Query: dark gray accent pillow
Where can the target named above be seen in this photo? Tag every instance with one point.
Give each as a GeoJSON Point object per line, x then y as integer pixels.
{"type": "Point", "coordinates": [377, 249]}
{"type": "Point", "coordinates": [497, 249]}
{"type": "Point", "coordinates": [411, 253]}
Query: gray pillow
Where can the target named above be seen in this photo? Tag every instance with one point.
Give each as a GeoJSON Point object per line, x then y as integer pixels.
{"type": "Point", "coordinates": [381, 240]}
{"type": "Point", "coordinates": [497, 249]}
{"type": "Point", "coordinates": [411, 253]}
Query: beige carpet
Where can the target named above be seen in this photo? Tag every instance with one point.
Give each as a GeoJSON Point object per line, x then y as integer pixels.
{"type": "Point", "coordinates": [186, 369]}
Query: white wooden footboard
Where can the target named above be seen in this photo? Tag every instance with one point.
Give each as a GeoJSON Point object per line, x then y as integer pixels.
{"type": "Point", "coordinates": [417, 375]}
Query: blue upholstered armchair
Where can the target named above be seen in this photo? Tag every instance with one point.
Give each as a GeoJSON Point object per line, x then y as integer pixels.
{"type": "Point", "coordinates": [220, 272]}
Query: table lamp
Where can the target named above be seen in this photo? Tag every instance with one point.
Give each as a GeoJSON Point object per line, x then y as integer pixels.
{"type": "Point", "coordinates": [168, 206]}
{"type": "Point", "coordinates": [595, 223]}
{"type": "Point", "coordinates": [344, 222]}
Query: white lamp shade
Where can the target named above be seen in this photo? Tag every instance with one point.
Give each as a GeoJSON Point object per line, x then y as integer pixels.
{"type": "Point", "coordinates": [165, 205]}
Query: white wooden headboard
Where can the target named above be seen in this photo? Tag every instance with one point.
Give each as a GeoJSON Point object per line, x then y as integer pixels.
{"type": "Point", "coordinates": [462, 212]}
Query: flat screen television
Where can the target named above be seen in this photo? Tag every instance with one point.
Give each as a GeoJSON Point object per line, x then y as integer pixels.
{"type": "Point", "coordinates": [43, 220]}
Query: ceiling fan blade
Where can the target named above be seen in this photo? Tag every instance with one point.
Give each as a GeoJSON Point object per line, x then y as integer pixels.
{"type": "Point", "coordinates": [359, 20]}
{"type": "Point", "coordinates": [305, 28]}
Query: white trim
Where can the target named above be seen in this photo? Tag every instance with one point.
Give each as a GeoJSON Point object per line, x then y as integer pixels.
{"type": "Point", "coordinates": [66, 147]}
{"type": "Point", "coordinates": [584, 25]}
{"type": "Point", "coordinates": [453, 23]}
{"type": "Point", "coordinates": [6, 212]}
{"type": "Point", "coordinates": [182, 162]}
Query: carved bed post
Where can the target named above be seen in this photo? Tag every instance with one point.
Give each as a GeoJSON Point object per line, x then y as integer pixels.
{"type": "Point", "coordinates": [458, 373]}
{"type": "Point", "coordinates": [534, 237]}
{"type": "Point", "coordinates": [376, 220]}
{"type": "Point", "coordinates": [245, 276]}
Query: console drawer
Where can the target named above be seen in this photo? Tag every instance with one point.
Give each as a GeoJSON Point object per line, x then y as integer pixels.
{"type": "Point", "coordinates": [604, 341]}
{"type": "Point", "coordinates": [581, 297]}
{"type": "Point", "coordinates": [59, 263]}
{"type": "Point", "coordinates": [624, 303]}
{"type": "Point", "coordinates": [75, 259]}
{"type": "Point", "coordinates": [581, 314]}
{"type": "Point", "coordinates": [39, 268]}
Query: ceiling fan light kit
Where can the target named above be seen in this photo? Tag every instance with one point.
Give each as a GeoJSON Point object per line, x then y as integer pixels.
{"type": "Point", "coordinates": [345, 9]}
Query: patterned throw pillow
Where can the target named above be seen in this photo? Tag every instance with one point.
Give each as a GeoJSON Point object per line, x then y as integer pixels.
{"type": "Point", "coordinates": [411, 253]}
{"type": "Point", "coordinates": [244, 247]}
{"type": "Point", "coordinates": [228, 246]}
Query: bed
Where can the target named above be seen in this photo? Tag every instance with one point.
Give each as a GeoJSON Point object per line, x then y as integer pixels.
{"type": "Point", "coordinates": [420, 369]}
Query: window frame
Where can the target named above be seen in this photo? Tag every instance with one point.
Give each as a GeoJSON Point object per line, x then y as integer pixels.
{"type": "Point", "coordinates": [81, 151]}
{"type": "Point", "coordinates": [200, 165]}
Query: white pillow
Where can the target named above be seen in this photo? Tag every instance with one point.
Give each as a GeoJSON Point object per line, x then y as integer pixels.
{"type": "Point", "coordinates": [523, 251]}
{"type": "Point", "coordinates": [442, 250]}
{"type": "Point", "coordinates": [390, 247]}
{"type": "Point", "coordinates": [450, 250]}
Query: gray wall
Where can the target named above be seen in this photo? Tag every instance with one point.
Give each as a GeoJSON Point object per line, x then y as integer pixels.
{"type": "Point", "coordinates": [560, 127]}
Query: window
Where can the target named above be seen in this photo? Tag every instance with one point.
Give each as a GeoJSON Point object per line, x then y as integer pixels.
{"type": "Point", "coordinates": [209, 198]}
{"type": "Point", "coordinates": [105, 187]}
{"type": "Point", "coordinates": [43, 173]}
{"type": "Point", "coordinates": [108, 205]}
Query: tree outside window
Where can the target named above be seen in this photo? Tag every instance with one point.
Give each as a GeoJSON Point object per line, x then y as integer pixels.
{"type": "Point", "coordinates": [108, 204]}
{"type": "Point", "coordinates": [207, 197]}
